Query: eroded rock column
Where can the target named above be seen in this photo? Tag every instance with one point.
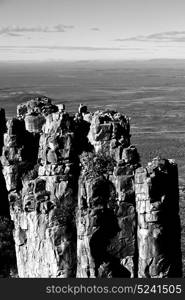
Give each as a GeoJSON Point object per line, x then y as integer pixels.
{"type": "Point", "coordinates": [39, 166]}
{"type": "Point", "coordinates": [156, 189]}
{"type": "Point", "coordinates": [106, 227]}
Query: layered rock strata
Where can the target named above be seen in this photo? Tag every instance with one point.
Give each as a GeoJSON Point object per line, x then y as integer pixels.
{"type": "Point", "coordinates": [81, 204]}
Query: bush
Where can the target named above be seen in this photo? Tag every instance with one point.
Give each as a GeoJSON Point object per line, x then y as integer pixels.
{"type": "Point", "coordinates": [95, 165]}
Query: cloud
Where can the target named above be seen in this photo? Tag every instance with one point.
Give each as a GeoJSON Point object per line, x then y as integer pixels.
{"type": "Point", "coordinates": [45, 29]}
{"type": "Point", "coordinates": [95, 29]}
{"type": "Point", "coordinates": [72, 48]}
{"type": "Point", "coordinates": [62, 27]}
{"type": "Point", "coordinates": [13, 34]}
{"type": "Point", "coordinates": [168, 36]}
{"type": "Point", "coordinates": [90, 48]}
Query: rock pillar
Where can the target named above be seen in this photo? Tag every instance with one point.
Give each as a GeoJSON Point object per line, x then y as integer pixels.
{"type": "Point", "coordinates": [156, 189]}
{"type": "Point", "coordinates": [106, 226]}
{"type": "Point", "coordinates": [39, 166]}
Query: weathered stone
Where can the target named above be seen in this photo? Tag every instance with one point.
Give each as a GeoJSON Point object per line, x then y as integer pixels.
{"type": "Point", "coordinates": [2, 127]}
{"type": "Point", "coordinates": [61, 107]}
{"type": "Point", "coordinates": [34, 123]}
{"type": "Point", "coordinates": [156, 189]}
{"type": "Point", "coordinates": [82, 109]}
{"type": "Point", "coordinates": [106, 219]}
{"type": "Point", "coordinates": [109, 130]}
{"type": "Point", "coordinates": [80, 202]}
{"type": "Point", "coordinates": [36, 106]}
{"type": "Point", "coordinates": [45, 240]}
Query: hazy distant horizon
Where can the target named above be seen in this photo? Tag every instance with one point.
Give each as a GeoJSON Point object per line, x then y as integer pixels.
{"type": "Point", "coordinates": [100, 60]}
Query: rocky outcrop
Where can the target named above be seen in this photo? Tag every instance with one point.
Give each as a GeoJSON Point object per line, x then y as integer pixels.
{"type": "Point", "coordinates": [7, 247]}
{"type": "Point", "coordinates": [106, 226]}
{"type": "Point", "coordinates": [156, 188]}
{"type": "Point", "coordinates": [2, 127]}
{"type": "Point", "coordinates": [4, 207]}
{"type": "Point", "coordinates": [81, 204]}
{"type": "Point", "coordinates": [110, 133]}
{"type": "Point", "coordinates": [38, 166]}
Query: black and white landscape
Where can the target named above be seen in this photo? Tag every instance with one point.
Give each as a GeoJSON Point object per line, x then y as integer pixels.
{"type": "Point", "coordinates": [92, 190]}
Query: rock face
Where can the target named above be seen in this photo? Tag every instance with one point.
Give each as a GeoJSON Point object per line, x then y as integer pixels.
{"type": "Point", "coordinates": [7, 247]}
{"type": "Point", "coordinates": [40, 178]}
{"type": "Point", "coordinates": [106, 218]}
{"type": "Point", "coordinates": [156, 189]}
{"type": "Point", "coordinates": [81, 204]}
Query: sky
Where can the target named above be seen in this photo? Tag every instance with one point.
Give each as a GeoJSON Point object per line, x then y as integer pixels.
{"type": "Point", "coordinates": [51, 30]}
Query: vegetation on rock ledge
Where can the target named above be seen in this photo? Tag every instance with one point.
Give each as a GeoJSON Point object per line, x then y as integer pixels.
{"type": "Point", "coordinates": [95, 165]}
